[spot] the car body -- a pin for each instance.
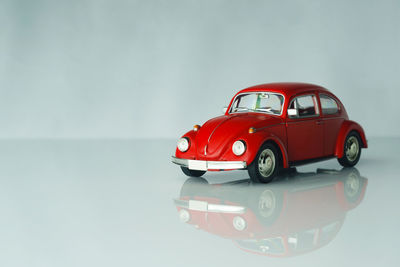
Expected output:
(276, 124)
(295, 215)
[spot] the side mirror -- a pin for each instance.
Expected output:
(292, 112)
(224, 109)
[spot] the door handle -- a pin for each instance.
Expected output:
(319, 122)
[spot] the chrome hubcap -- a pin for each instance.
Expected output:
(352, 185)
(266, 203)
(352, 148)
(266, 162)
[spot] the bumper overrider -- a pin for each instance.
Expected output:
(204, 165)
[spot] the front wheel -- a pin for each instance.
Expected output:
(266, 164)
(351, 150)
(192, 173)
(266, 202)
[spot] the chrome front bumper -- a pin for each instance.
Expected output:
(209, 207)
(203, 165)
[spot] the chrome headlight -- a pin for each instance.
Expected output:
(238, 148)
(183, 144)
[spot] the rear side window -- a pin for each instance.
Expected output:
(328, 105)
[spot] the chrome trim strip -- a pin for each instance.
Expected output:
(226, 209)
(181, 203)
(182, 162)
(212, 165)
(332, 118)
(314, 119)
(269, 126)
(226, 165)
(209, 207)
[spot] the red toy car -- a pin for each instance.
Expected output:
(269, 127)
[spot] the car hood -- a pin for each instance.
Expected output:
(222, 131)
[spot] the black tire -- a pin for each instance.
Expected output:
(265, 173)
(192, 173)
(194, 187)
(351, 155)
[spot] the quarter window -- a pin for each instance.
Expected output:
(306, 106)
(328, 105)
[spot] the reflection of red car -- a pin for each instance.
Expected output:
(288, 218)
(270, 126)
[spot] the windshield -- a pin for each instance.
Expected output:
(264, 102)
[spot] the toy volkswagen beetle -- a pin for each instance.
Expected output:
(269, 127)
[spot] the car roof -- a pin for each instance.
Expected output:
(288, 89)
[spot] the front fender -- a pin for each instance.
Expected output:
(191, 152)
(346, 128)
(256, 140)
(281, 146)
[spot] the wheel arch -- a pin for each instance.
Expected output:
(347, 127)
(274, 140)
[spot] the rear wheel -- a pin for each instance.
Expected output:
(192, 173)
(266, 164)
(353, 184)
(351, 150)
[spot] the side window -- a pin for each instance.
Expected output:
(328, 105)
(305, 105)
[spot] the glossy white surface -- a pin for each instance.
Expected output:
(110, 203)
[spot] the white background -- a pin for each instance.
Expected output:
(153, 69)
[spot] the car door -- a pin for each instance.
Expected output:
(332, 119)
(305, 130)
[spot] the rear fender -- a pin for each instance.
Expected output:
(346, 128)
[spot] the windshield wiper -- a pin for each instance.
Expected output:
(265, 109)
(240, 109)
